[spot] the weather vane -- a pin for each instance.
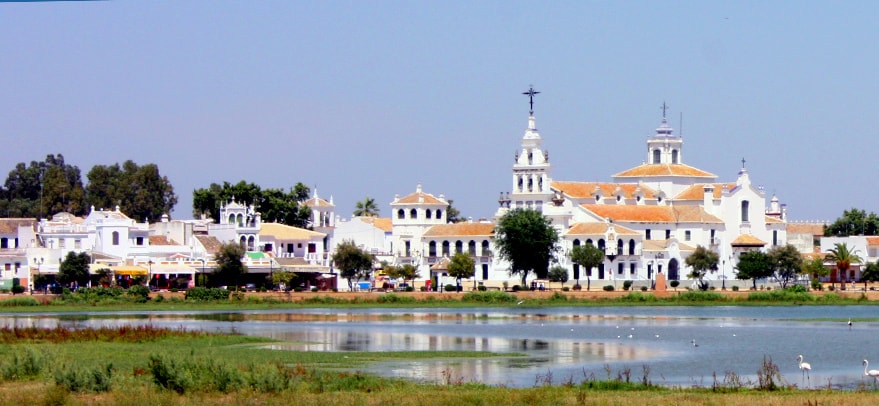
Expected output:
(530, 93)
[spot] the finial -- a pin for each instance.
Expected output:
(743, 163)
(530, 93)
(664, 108)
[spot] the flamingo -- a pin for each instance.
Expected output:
(804, 366)
(874, 373)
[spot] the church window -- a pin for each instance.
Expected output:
(601, 244)
(589, 241)
(459, 247)
(674, 156)
(521, 184)
(745, 205)
(656, 153)
(620, 247)
(427, 213)
(530, 185)
(471, 248)
(445, 248)
(413, 214)
(401, 214)
(540, 184)
(577, 242)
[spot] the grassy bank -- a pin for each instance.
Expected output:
(151, 366)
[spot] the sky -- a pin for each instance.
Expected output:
(371, 98)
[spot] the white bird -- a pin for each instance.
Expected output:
(805, 367)
(520, 302)
(693, 341)
(874, 373)
(849, 323)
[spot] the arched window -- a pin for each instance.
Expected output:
(459, 247)
(115, 238)
(589, 241)
(240, 220)
(486, 248)
(631, 247)
(250, 242)
(576, 242)
(431, 249)
(601, 244)
(413, 214)
(471, 248)
(427, 213)
(439, 214)
(656, 156)
(401, 214)
(745, 205)
(674, 156)
(620, 246)
(231, 219)
(445, 248)
(521, 183)
(243, 241)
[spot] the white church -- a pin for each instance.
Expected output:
(647, 220)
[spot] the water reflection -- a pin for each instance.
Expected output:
(565, 343)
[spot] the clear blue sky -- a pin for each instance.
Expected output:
(369, 98)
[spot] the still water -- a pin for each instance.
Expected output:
(678, 346)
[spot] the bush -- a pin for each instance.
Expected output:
(516, 288)
(674, 284)
(816, 284)
(577, 287)
(19, 301)
(83, 379)
(450, 288)
(22, 365)
(643, 288)
(735, 288)
(638, 297)
(481, 288)
(565, 289)
(701, 296)
(394, 298)
(202, 294)
(608, 288)
(17, 289)
(139, 293)
(627, 285)
(488, 297)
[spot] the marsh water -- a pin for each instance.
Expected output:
(675, 346)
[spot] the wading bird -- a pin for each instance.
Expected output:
(874, 373)
(804, 366)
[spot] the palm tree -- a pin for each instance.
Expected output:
(366, 208)
(844, 257)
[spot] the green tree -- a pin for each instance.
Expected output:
(786, 263)
(230, 266)
(366, 208)
(527, 240)
(461, 267)
(844, 257)
(558, 274)
(701, 262)
(288, 278)
(452, 213)
(74, 268)
(814, 267)
(853, 222)
(406, 272)
(870, 273)
(754, 265)
(274, 205)
(42, 189)
(141, 192)
(352, 262)
(587, 256)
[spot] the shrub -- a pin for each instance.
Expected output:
(643, 288)
(314, 289)
(488, 297)
(627, 285)
(638, 297)
(393, 298)
(565, 289)
(17, 289)
(516, 288)
(450, 288)
(139, 293)
(816, 284)
(160, 298)
(577, 287)
(174, 290)
(19, 301)
(674, 284)
(608, 288)
(700, 296)
(84, 380)
(26, 364)
(202, 294)
(481, 288)
(735, 288)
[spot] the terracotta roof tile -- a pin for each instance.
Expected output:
(872, 241)
(211, 244)
(583, 190)
(419, 197)
(747, 240)
(161, 240)
(382, 223)
(586, 229)
(806, 228)
(697, 191)
(652, 214)
(318, 202)
(774, 220)
(9, 226)
(285, 232)
(659, 170)
(461, 229)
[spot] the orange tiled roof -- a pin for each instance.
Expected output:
(381, 223)
(662, 245)
(419, 198)
(318, 202)
(211, 244)
(806, 228)
(652, 214)
(774, 220)
(10, 226)
(872, 241)
(285, 232)
(461, 229)
(597, 229)
(697, 191)
(651, 170)
(582, 190)
(161, 240)
(747, 240)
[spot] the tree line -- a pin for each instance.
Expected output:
(43, 188)
(274, 205)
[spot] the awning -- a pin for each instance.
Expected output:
(173, 269)
(128, 270)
